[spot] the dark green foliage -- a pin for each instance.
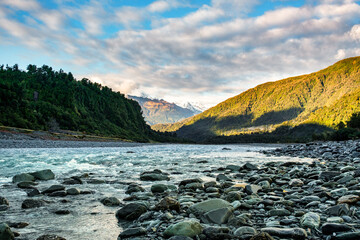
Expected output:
(44, 99)
(354, 121)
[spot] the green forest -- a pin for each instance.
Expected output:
(43, 99)
(280, 110)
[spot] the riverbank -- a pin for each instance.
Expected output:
(265, 197)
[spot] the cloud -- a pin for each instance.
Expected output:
(214, 51)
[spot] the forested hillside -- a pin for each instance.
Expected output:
(323, 98)
(43, 99)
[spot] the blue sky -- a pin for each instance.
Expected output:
(180, 50)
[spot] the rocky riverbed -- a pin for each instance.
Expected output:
(266, 200)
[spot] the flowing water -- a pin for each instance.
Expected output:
(88, 218)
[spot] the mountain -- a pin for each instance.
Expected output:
(324, 98)
(160, 111)
(43, 99)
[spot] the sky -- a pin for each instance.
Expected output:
(182, 51)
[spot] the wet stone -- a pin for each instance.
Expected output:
(32, 203)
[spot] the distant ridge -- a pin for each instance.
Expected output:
(157, 111)
(326, 98)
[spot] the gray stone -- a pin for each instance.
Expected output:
(310, 220)
(4, 208)
(180, 238)
(296, 183)
(351, 199)
(295, 233)
(168, 203)
(32, 203)
(23, 177)
(5, 232)
(26, 184)
(347, 236)
(330, 228)
(245, 232)
(187, 228)
(57, 194)
(131, 211)
(54, 188)
(222, 177)
(219, 216)
(73, 191)
(339, 192)
(110, 201)
(252, 188)
(50, 237)
(338, 210)
(250, 166)
(208, 205)
(234, 168)
(134, 188)
(4, 201)
(155, 175)
(279, 212)
(33, 192)
(46, 174)
(132, 232)
(328, 175)
(158, 188)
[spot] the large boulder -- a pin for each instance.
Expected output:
(23, 177)
(46, 174)
(131, 211)
(132, 232)
(5, 232)
(187, 228)
(54, 188)
(218, 216)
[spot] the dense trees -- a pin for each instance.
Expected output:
(41, 98)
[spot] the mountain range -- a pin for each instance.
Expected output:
(156, 111)
(324, 98)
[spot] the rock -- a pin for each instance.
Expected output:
(328, 175)
(351, 199)
(219, 216)
(32, 203)
(50, 237)
(194, 186)
(334, 220)
(158, 188)
(330, 228)
(233, 196)
(132, 232)
(72, 181)
(54, 188)
(73, 191)
(262, 236)
(5, 232)
(57, 194)
(4, 201)
(62, 212)
(215, 232)
(338, 210)
(95, 181)
(339, 192)
(46, 174)
(310, 220)
(222, 177)
(168, 203)
(250, 166)
(18, 224)
(131, 211)
(294, 233)
(245, 232)
(187, 228)
(33, 192)
(26, 184)
(192, 180)
(296, 183)
(4, 208)
(155, 175)
(279, 212)
(134, 188)
(252, 189)
(347, 236)
(180, 238)
(234, 168)
(208, 205)
(110, 201)
(23, 177)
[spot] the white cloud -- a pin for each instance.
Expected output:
(212, 53)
